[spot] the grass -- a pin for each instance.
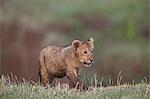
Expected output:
(25, 90)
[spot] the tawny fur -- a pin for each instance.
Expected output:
(65, 61)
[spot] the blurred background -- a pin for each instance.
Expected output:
(120, 28)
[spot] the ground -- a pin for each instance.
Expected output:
(28, 91)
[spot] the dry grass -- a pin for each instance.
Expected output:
(25, 90)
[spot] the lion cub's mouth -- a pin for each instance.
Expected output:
(87, 64)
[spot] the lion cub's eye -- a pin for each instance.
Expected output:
(85, 52)
(92, 52)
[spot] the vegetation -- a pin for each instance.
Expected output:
(9, 90)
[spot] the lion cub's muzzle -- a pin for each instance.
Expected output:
(86, 64)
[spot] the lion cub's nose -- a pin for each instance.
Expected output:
(91, 60)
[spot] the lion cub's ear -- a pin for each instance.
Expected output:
(76, 43)
(91, 42)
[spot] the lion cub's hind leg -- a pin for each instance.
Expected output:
(44, 76)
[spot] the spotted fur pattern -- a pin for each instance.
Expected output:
(58, 62)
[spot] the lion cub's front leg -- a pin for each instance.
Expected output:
(72, 74)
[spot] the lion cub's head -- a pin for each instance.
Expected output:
(84, 51)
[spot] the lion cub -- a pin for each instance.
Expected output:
(65, 61)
